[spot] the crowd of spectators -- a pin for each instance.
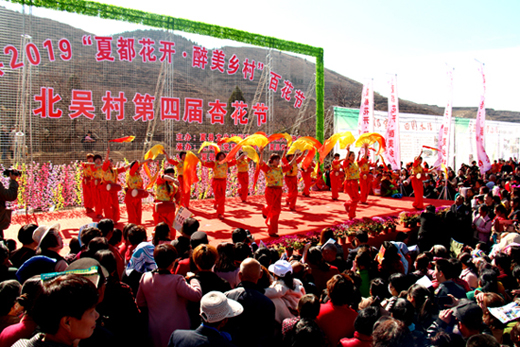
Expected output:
(121, 288)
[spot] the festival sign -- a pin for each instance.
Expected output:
(59, 82)
(366, 109)
(393, 152)
(482, 158)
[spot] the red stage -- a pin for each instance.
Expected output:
(312, 214)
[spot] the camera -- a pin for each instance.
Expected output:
(7, 173)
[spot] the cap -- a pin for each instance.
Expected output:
(36, 265)
(198, 238)
(281, 268)
(88, 263)
(42, 231)
(215, 307)
(468, 313)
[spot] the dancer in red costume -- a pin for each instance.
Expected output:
(219, 182)
(351, 184)
(291, 178)
(365, 176)
(88, 184)
(167, 194)
(243, 175)
(418, 176)
(273, 190)
(179, 167)
(97, 185)
(307, 179)
(336, 176)
(135, 192)
(110, 200)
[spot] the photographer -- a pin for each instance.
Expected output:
(9, 194)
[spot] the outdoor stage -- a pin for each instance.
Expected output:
(312, 214)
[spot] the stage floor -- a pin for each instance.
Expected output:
(312, 214)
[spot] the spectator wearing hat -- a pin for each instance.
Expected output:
(285, 291)
(164, 295)
(259, 310)
(215, 311)
(65, 312)
(467, 315)
(28, 249)
(50, 243)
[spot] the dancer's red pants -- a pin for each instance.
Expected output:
(134, 208)
(185, 198)
(364, 185)
(97, 194)
(243, 180)
(219, 190)
(418, 191)
(164, 215)
(273, 199)
(352, 188)
(335, 184)
(110, 203)
(292, 187)
(88, 194)
(307, 182)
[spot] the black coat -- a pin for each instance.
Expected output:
(201, 337)
(9, 194)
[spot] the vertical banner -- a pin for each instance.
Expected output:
(366, 109)
(392, 153)
(445, 130)
(483, 161)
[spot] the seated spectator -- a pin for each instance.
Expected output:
(26, 327)
(259, 310)
(303, 330)
(321, 271)
(182, 243)
(142, 259)
(106, 226)
(164, 295)
(364, 326)
(336, 318)
(469, 271)
(225, 266)
(204, 258)
(50, 243)
(28, 249)
(65, 312)
(187, 265)
(444, 275)
(285, 291)
(161, 234)
(9, 308)
(215, 311)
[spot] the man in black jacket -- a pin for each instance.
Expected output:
(9, 194)
(255, 326)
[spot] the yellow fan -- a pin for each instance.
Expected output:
(368, 139)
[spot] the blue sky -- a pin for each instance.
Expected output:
(370, 39)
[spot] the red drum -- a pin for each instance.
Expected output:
(164, 207)
(113, 187)
(139, 193)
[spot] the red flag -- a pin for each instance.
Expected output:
(123, 139)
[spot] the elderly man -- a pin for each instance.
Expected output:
(255, 326)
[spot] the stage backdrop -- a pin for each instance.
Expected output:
(502, 138)
(70, 82)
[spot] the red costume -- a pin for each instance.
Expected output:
(365, 179)
(273, 195)
(219, 182)
(134, 205)
(352, 188)
(97, 189)
(291, 181)
(88, 187)
(166, 195)
(243, 177)
(418, 176)
(179, 167)
(307, 180)
(336, 177)
(110, 200)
